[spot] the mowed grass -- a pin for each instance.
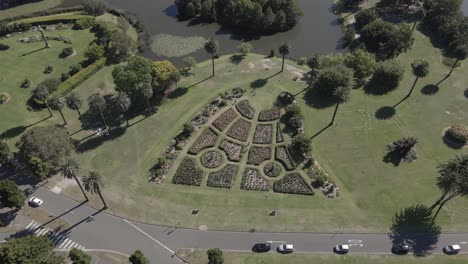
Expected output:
(200, 257)
(29, 8)
(28, 60)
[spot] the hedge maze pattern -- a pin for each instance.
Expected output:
(240, 130)
(233, 150)
(263, 134)
(253, 181)
(206, 140)
(293, 183)
(188, 173)
(223, 121)
(245, 109)
(224, 178)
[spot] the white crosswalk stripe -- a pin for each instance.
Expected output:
(70, 246)
(59, 240)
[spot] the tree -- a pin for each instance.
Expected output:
(123, 103)
(74, 102)
(4, 153)
(79, 257)
(244, 48)
(11, 195)
(93, 184)
(147, 92)
(97, 103)
(215, 256)
(138, 258)
(341, 94)
(387, 75)
(94, 52)
(461, 53)
(41, 93)
(420, 70)
(69, 167)
(189, 62)
(26, 250)
(127, 78)
(301, 147)
(212, 47)
(94, 7)
(365, 17)
(332, 78)
(49, 143)
(362, 62)
(39, 168)
(165, 73)
(57, 103)
(122, 46)
(55, 259)
(284, 50)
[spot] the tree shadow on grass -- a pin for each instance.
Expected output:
(414, 226)
(7, 217)
(236, 58)
(465, 93)
(315, 100)
(259, 83)
(393, 157)
(430, 89)
(13, 132)
(375, 88)
(178, 93)
(96, 141)
(385, 112)
(451, 142)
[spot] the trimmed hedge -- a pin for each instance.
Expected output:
(53, 19)
(77, 79)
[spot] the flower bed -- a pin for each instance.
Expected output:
(207, 139)
(253, 181)
(188, 173)
(294, 184)
(245, 109)
(263, 134)
(240, 130)
(269, 115)
(282, 155)
(224, 178)
(259, 154)
(212, 159)
(233, 150)
(279, 133)
(272, 169)
(223, 121)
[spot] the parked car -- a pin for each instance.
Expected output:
(341, 249)
(262, 247)
(400, 249)
(286, 248)
(451, 249)
(35, 202)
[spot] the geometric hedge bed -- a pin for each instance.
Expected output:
(240, 135)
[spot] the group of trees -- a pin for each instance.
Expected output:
(257, 16)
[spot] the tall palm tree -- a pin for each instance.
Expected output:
(97, 103)
(461, 53)
(147, 91)
(284, 50)
(341, 95)
(41, 93)
(212, 47)
(420, 70)
(74, 102)
(93, 184)
(57, 103)
(123, 103)
(69, 168)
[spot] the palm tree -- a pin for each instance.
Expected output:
(57, 103)
(212, 47)
(97, 103)
(420, 70)
(69, 168)
(341, 95)
(74, 102)
(284, 50)
(93, 184)
(123, 102)
(461, 53)
(147, 91)
(41, 93)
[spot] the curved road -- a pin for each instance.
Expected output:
(108, 232)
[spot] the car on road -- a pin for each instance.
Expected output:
(35, 202)
(286, 248)
(262, 247)
(401, 249)
(341, 249)
(451, 249)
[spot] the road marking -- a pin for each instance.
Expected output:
(354, 241)
(29, 225)
(71, 245)
(463, 242)
(150, 237)
(279, 242)
(63, 242)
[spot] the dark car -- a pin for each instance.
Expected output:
(261, 247)
(400, 249)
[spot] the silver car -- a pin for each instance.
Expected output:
(452, 249)
(36, 202)
(286, 248)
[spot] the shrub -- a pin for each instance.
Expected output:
(52, 84)
(215, 256)
(253, 181)
(279, 133)
(94, 7)
(333, 77)
(138, 258)
(77, 79)
(223, 121)
(11, 195)
(188, 173)
(4, 97)
(206, 140)
(4, 153)
(272, 169)
(269, 115)
(233, 150)
(48, 69)
(212, 159)
(240, 130)
(74, 69)
(244, 48)
(94, 52)
(66, 52)
(263, 134)
(294, 184)
(458, 132)
(4, 46)
(282, 155)
(187, 130)
(362, 62)
(64, 76)
(302, 61)
(224, 178)
(365, 17)
(245, 109)
(301, 147)
(386, 77)
(320, 179)
(26, 83)
(78, 256)
(259, 154)
(285, 98)
(85, 23)
(349, 36)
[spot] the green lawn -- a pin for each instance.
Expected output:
(29, 8)
(199, 257)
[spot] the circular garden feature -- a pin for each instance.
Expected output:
(272, 169)
(212, 159)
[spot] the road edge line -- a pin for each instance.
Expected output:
(150, 237)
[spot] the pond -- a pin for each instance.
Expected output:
(318, 31)
(465, 7)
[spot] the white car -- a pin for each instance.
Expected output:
(451, 249)
(286, 248)
(34, 201)
(342, 249)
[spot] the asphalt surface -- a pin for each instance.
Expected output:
(108, 232)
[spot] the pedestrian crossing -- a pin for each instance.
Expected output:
(59, 240)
